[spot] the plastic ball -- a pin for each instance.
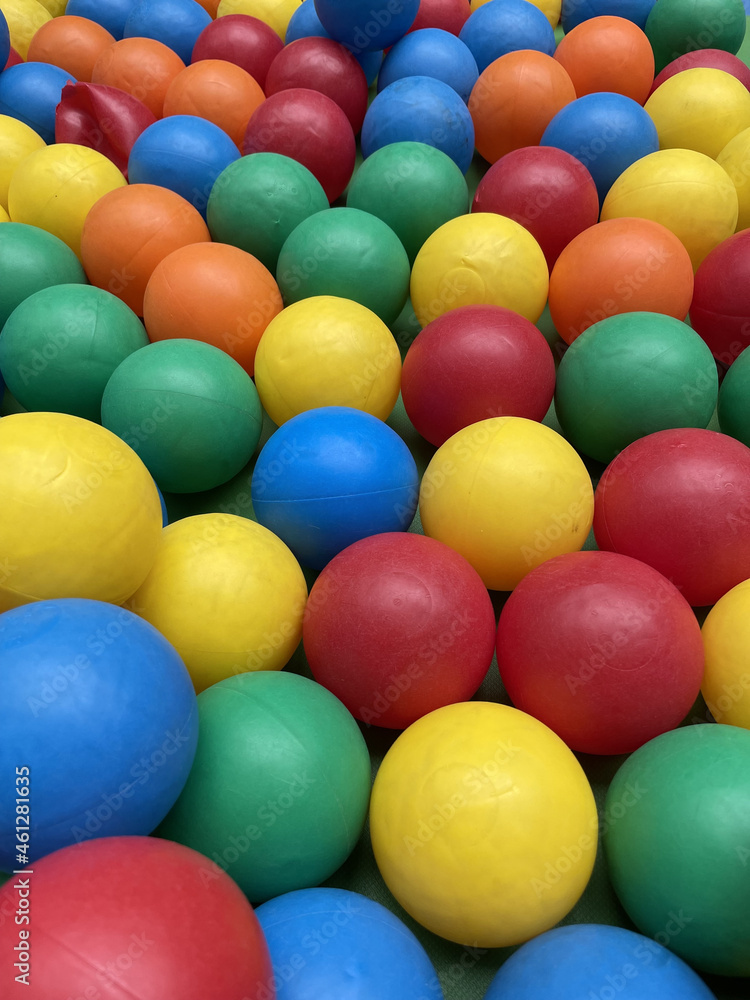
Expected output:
(186, 927)
(449, 15)
(23, 19)
(129, 231)
(31, 259)
(720, 310)
(17, 141)
(218, 91)
(574, 12)
(735, 159)
(685, 191)
(582, 959)
(708, 59)
(305, 23)
(494, 30)
(353, 947)
(142, 67)
(733, 410)
(367, 25)
(434, 53)
(339, 469)
(472, 363)
(72, 43)
(175, 23)
(674, 27)
(275, 750)
(308, 127)
(479, 259)
(545, 190)
(609, 54)
(4, 40)
(514, 101)
(528, 494)
(275, 13)
(677, 846)
(56, 187)
(326, 66)
(472, 796)
(420, 109)
(245, 41)
(326, 351)
(349, 254)
(726, 638)
(60, 346)
(81, 513)
(30, 92)
(189, 410)
(398, 625)
(228, 595)
(677, 500)
(110, 14)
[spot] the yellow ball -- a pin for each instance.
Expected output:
(735, 159)
(479, 259)
(550, 8)
(508, 494)
(17, 141)
(275, 13)
(483, 824)
(55, 188)
(685, 191)
(81, 515)
(326, 351)
(4, 217)
(726, 638)
(25, 18)
(55, 7)
(227, 593)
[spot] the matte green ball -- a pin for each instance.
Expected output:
(188, 409)
(413, 188)
(676, 837)
(349, 254)
(675, 27)
(32, 259)
(734, 400)
(631, 375)
(258, 200)
(60, 346)
(279, 789)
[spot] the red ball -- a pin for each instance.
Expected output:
(679, 500)
(398, 625)
(307, 127)
(238, 38)
(135, 917)
(472, 363)
(602, 649)
(545, 190)
(705, 59)
(720, 310)
(323, 65)
(450, 15)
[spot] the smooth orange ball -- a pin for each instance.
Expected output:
(608, 54)
(129, 231)
(219, 91)
(72, 43)
(215, 293)
(142, 67)
(623, 265)
(514, 100)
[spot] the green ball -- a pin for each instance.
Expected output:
(734, 400)
(279, 789)
(675, 27)
(60, 345)
(631, 375)
(258, 200)
(413, 188)
(677, 842)
(188, 409)
(348, 254)
(32, 259)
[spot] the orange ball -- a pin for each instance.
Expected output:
(220, 91)
(618, 266)
(72, 43)
(608, 54)
(210, 6)
(129, 231)
(514, 100)
(215, 293)
(141, 67)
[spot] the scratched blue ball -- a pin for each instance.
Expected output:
(101, 710)
(30, 92)
(174, 23)
(504, 26)
(305, 23)
(434, 53)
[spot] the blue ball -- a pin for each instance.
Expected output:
(305, 23)
(434, 53)
(606, 132)
(330, 476)
(595, 960)
(183, 153)
(174, 23)
(30, 92)
(336, 943)
(503, 26)
(419, 109)
(164, 511)
(4, 41)
(575, 11)
(101, 710)
(367, 25)
(110, 14)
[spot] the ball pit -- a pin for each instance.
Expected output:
(275, 13)
(23, 19)
(245, 41)
(175, 23)
(495, 30)
(305, 23)
(434, 53)
(720, 309)
(609, 54)
(72, 43)
(31, 259)
(30, 92)
(142, 67)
